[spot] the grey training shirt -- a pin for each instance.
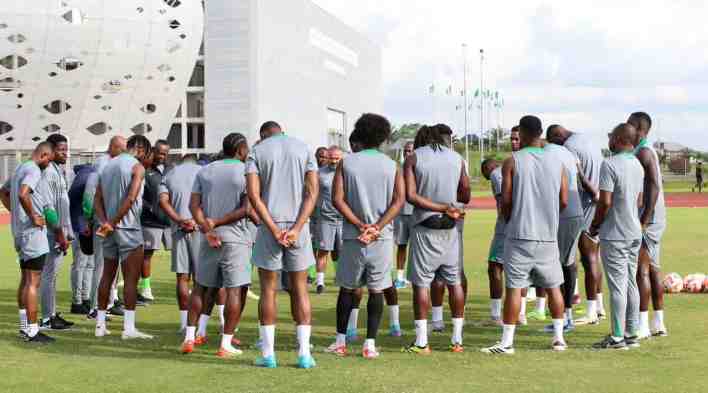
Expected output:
(58, 198)
(623, 176)
(178, 184)
(437, 175)
(590, 158)
(325, 207)
(535, 201)
(369, 181)
(659, 216)
(495, 179)
(115, 182)
(281, 163)
(23, 229)
(570, 163)
(222, 186)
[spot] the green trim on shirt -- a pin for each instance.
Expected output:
(51, 216)
(533, 149)
(644, 142)
(371, 151)
(625, 154)
(232, 161)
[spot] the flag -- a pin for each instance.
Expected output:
(449, 90)
(431, 90)
(476, 93)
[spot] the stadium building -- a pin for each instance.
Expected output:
(93, 69)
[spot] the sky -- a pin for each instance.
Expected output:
(586, 65)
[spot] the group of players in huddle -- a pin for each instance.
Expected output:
(273, 204)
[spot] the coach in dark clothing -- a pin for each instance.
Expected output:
(82, 265)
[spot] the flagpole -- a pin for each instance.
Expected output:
(464, 93)
(481, 112)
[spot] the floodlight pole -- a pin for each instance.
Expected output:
(481, 98)
(466, 109)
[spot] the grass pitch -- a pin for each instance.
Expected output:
(78, 362)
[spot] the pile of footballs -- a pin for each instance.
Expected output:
(693, 283)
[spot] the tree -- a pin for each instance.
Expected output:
(405, 131)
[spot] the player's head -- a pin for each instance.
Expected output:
(160, 152)
(515, 139)
(60, 146)
(354, 142)
(641, 121)
(269, 129)
(43, 154)
(530, 130)
(321, 156)
(446, 134)
(235, 145)
(557, 134)
(373, 130)
(117, 146)
(334, 155)
(428, 136)
(488, 166)
(622, 138)
(141, 148)
(191, 157)
(408, 149)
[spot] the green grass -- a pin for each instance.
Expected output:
(80, 362)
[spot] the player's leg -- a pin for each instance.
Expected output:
(21, 303)
(374, 312)
(196, 300)
(345, 302)
(77, 279)
(145, 274)
(267, 315)
(615, 263)
(457, 309)
(132, 268)
(591, 265)
(437, 298)
(32, 277)
(401, 229)
(556, 305)
(394, 324)
(48, 291)
(181, 257)
(657, 298)
(110, 267)
(321, 269)
(401, 254)
(496, 291)
(632, 317)
(302, 315)
(421, 308)
(644, 286)
(182, 293)
(512, 304)
(232, 315)
(539, 312)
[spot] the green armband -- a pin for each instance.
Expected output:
(87, 207)
(51, 216)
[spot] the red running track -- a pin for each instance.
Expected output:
(487, 203)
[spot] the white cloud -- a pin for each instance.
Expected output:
(585, 64)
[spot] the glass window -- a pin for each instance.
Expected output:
(336, 128)
(195, 105)
(174, 138)
(197, 79)
(195, 135)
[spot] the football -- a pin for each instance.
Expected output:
(693, 283)
(673, 283)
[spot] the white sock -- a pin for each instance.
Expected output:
(183, 314)
(421, 333)
(129, 321)
(320, 278)
(113, 298)
(531, 293)
(568, 314)
(101, 318)
(220, 313)
(508, 335)
(393, 312)
(303, 338)
(32, 329)
(644, 322)
(370, 343)
(659, 319)
(268, 337)
(457, 324)
(341, 340)
(541, 305)
(401, 275)
(23, 320)
(226, 340)
(437, 314)
(522, 310)
(202, 328)
(558, 329)
(592, 309)
(353, 319)
(577, 287)
(495, 308)
(600, 304)
(190, 333)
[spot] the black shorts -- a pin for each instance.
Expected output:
(34, 264)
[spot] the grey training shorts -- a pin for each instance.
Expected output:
(119, 244)
(402, 229)
(361, 265)
(569, 230)
(434, 255)
(185, 251)
(268, 254)
(329, 235)
(532, 263)
(224, 267)
(155, 237)
(651, 241)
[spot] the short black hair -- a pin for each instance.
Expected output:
(269, 125)
(515, 129)
(161, 142)
(373, 130)
(319, 149)
(644, 119)
(139, 141)
(44, 146)
(552, 128)
(625, 133)
(428, 136)
(531, 125)
(444, 129)
(488, 161)
(55, 139)
(231, 143)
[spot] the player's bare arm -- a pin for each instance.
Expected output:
(604, 204)
(399, 195)
(309, 200)
(651, 184)
(25, 197)
(563, 202)
(232, 216)
(340, 203)
(253, 185)
(5, 198)
(586, 185)
(507, 196)
(195, 207)
(464, 190)
(166, 206)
